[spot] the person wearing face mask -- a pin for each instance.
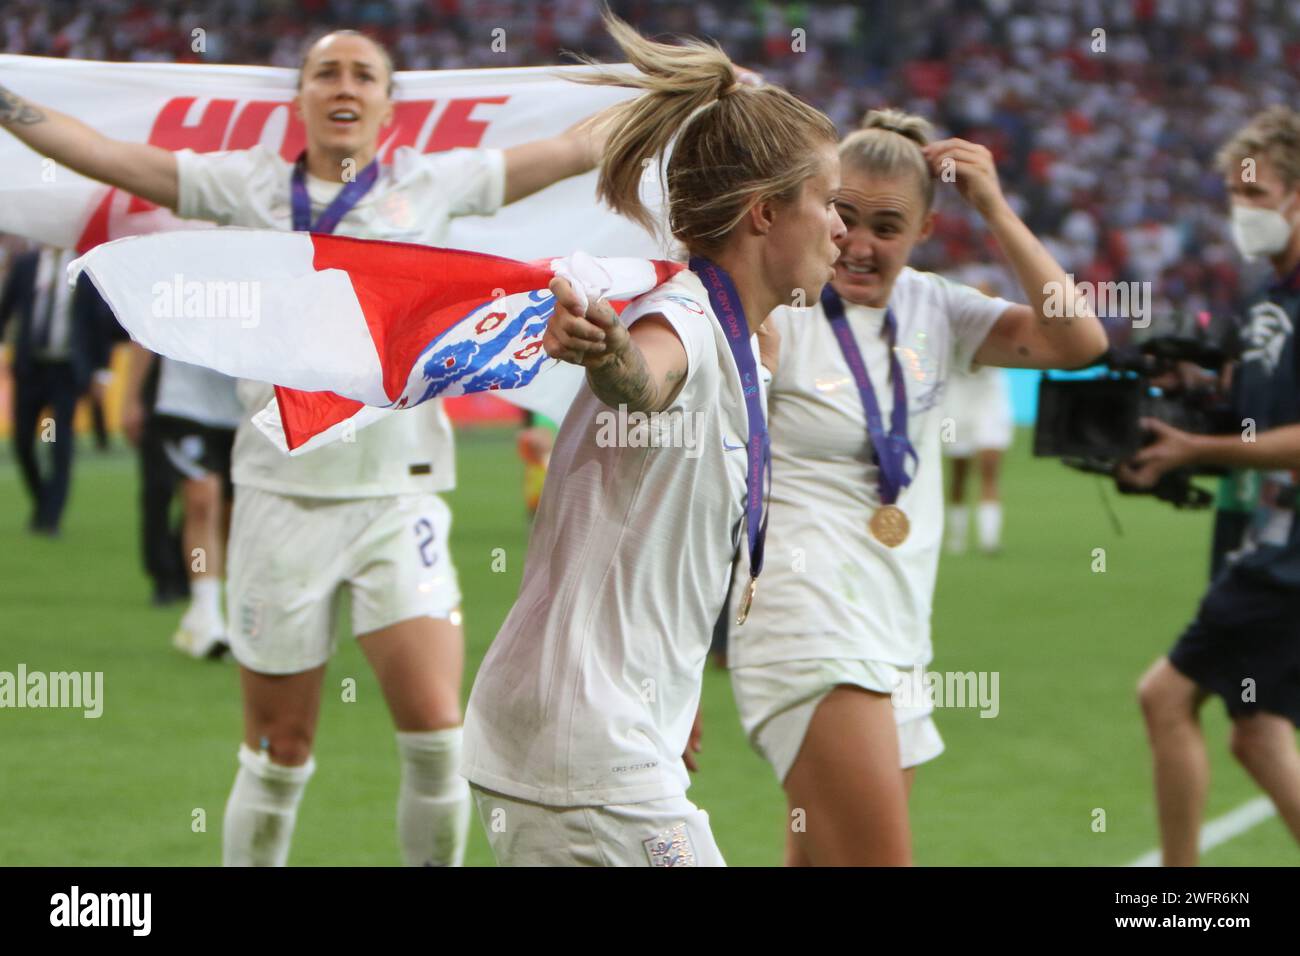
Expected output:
(842, 617)
(1244, 643)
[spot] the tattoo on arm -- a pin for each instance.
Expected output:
(672, 382)
(625, 381)
(15, 111)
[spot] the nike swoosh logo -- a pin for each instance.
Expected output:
(726, 447)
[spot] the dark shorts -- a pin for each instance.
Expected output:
(194, 450)
(1244, 646)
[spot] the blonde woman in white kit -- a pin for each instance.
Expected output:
(842, 618)
(583, 708)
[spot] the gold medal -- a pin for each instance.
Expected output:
(889, 525)
(746, 601)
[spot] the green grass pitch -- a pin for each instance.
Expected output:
(1022, 788)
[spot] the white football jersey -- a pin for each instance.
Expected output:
(413, 200)
(588, 693)
(829, 589)
(197, 394)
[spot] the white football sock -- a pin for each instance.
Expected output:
(988, 519)
(433, 803)
(204, 611)
(262, 810)
(958, 520)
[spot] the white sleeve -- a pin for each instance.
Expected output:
(472, 182)
(971, 315)
(694, 330)
(217, 186)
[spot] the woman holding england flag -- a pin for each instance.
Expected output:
(843, 618)
(363, 515)
(583, 708)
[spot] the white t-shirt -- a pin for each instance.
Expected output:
(588, 693)
(51, 267)
(829, 589)
(413, 200)
(197, 394)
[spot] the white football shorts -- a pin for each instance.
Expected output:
(776, 704)
(669, 832)
(291, 557)
(981, 413)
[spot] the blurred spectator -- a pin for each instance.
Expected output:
(61, 342)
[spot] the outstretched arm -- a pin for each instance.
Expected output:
(139, 168)
(533, 166)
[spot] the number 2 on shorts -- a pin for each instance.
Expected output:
(424, 534)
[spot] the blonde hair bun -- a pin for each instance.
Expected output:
(888, 144)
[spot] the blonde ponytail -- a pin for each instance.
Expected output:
(736, 144)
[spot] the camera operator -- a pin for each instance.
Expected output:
(1238, 492)
(1244, 644)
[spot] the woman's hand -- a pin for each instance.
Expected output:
(591, 338)
(970, 167)
(641, 369)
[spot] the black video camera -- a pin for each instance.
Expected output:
(1092, 423)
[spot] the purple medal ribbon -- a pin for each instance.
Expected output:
(890, 451)
(731, 316)
(342, 204)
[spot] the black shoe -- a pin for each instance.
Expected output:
(165, 595)
(44, 529)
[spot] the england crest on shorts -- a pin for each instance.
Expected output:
(672, 847)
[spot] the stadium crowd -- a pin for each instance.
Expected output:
(1102, 117)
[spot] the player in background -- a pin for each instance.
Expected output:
(979, 406)
(585, 705)
(1244, 643)
(827, 671)
(367, 515)
(190, 413)
(534, 445)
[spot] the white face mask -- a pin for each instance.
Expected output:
(1260, 232)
